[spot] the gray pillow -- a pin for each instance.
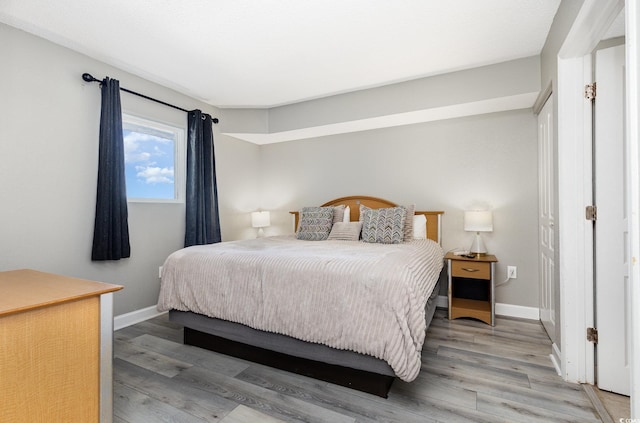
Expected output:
(338, 213)
(315, 223)
(408, 222)
(346, 231)
(384, 226)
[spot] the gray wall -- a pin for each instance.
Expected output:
(447, 165)
(49, 122)
(562, 22)
(451, 165)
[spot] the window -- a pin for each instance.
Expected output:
(153, 160)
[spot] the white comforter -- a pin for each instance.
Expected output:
(368, 298)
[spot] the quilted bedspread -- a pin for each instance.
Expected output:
(357, 296)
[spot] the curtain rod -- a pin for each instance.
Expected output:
(89, 78)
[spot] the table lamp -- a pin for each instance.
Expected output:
(478, 221)
(260, 219)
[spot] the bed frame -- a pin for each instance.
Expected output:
(358, 371)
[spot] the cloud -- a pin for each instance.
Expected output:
(135, 150)
(155, 175)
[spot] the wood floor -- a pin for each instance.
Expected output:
(471, 372)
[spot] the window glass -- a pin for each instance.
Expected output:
(153, 159)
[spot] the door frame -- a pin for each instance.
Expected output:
(632, 32)
(575, 233)
(612, 256)
(574, 186)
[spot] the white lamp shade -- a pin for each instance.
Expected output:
(260, 219)
(478, 221)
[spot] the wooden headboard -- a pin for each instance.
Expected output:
(434, 230)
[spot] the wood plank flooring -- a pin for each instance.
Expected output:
(471, 372)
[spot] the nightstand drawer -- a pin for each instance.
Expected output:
(471, 269)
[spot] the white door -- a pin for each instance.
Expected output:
(546, 219)
(612, 225)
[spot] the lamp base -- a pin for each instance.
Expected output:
(477, 247)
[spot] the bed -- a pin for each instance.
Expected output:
(350, 313)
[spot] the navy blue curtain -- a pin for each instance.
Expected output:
(111, 229)
(202, 220)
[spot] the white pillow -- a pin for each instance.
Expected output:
(419, 226)
(347, 215)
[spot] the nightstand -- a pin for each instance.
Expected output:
(471, 287)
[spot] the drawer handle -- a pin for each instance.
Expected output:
(469, 269)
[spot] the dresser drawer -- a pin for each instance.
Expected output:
(471, 269)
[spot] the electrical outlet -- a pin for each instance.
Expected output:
(160, 272)
(512, 272)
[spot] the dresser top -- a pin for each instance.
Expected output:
(26, 289)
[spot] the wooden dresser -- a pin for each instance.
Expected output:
(56, 348)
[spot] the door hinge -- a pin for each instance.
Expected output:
(592, 335)
(591, 213)
(590, 91)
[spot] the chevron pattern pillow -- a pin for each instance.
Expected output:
(315, 223)
(384, 226)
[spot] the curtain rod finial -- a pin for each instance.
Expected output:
(89, 78)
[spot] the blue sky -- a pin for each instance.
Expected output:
(149, 165)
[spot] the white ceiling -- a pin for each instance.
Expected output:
(265, 53)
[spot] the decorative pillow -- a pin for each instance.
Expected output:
(408, 222)
(315, 223)
(385, 226)
(346, 231)
(347, 214)
(338, 213)
(419, 226)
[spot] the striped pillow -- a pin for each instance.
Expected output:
(338, 213)
(408, 222)
(346, 231)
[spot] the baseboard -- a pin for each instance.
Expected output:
(555, 358)
(136, 316)
(508, 310)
